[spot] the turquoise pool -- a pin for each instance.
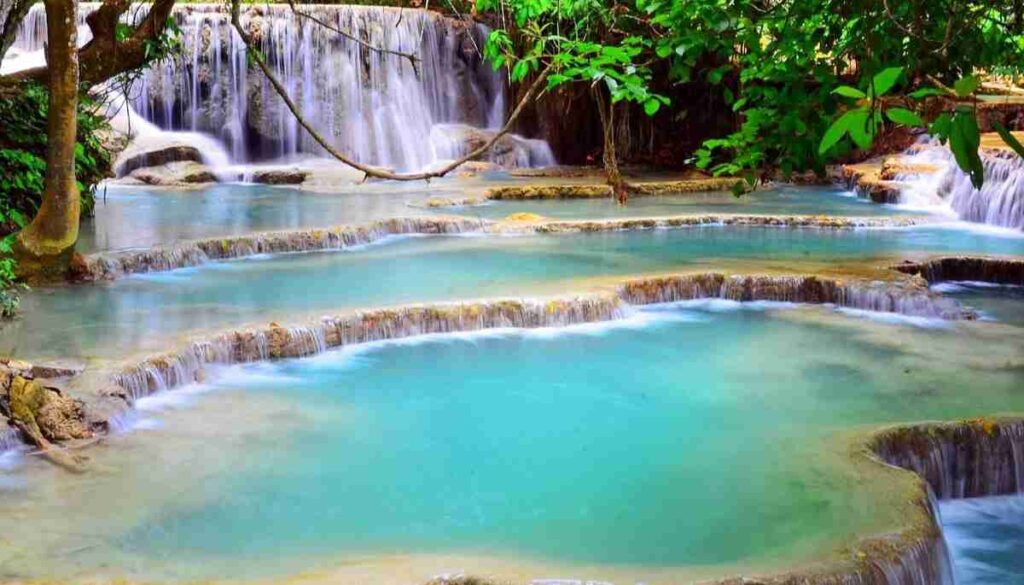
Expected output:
(688, 440)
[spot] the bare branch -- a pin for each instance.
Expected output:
(412, 58)
(12, 19)
(105, 57)
(367, 170)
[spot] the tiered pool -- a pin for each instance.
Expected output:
(686, 441)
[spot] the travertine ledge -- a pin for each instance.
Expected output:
(111, 265)
(968, 268)
(964, 459)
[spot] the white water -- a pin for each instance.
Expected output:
(375, 107)
(1000, 201)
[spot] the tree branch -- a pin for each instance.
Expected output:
(367, 170)
(18, 10)
(104, 57)
(412, 58)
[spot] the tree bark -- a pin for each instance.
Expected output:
(44, 248)
(105, 57)
(606, 111)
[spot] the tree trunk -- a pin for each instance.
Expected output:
(606, 111)
(44, 248)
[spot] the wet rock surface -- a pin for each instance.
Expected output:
(182, 173)
(280, 176)
(967, 268)
(979, 457)
(132, 160)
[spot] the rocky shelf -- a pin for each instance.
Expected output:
(110, 265)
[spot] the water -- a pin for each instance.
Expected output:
(686, 440)
(373, 106)
(780, 200)
(1000, 303)
(1000, 201)
(144, 312)
(130, 216)
(985, 537)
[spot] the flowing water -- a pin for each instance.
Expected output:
(143, 312)
(377, 107)
(985, 538)
(131, 216)
(685, 440)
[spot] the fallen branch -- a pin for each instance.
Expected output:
(367, 170)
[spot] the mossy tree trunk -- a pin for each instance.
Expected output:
(44, 248)
(606, 111)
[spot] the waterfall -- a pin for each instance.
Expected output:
(376, 107)
(999, 202)
(960, 460)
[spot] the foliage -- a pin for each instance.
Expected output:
(780, 65)
(588, 41)
(23, 166)
(784, 67)
(956, 124)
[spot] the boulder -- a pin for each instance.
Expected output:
(280, 176)
(46, 411)
(137, 158)
(509, 152)
(175, 174)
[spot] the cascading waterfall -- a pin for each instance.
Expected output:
(168, 371)
(376, 107)
(960, 460)
(1000, 201)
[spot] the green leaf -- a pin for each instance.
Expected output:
(963, 141)
(884, 81)
(1009, 139)
(904, 117)
(651, 107)
(966, 86)
(940, 128)
(835, 133)
(925, 92)
(850, 92)
(862, 129)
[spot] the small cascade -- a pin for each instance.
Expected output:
(886, 297)
(926, 562)
(376, 107)
(108, 266)
(10, 438)
(966, 268)
(1000, 201)
(275, 342)
(960, 460)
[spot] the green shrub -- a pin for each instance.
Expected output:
(23, 164)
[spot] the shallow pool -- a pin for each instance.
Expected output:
(693, 439)
(141, 313)
(140, 216)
